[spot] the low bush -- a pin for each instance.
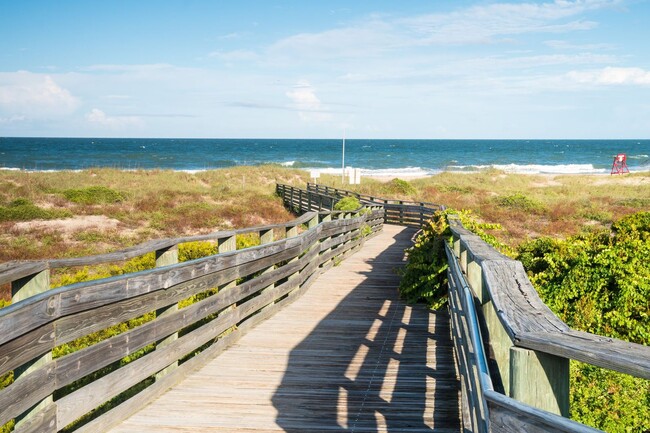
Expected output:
(599, 282)
(519, 202)
(24, 210)
(93, 195)
(347, 204)
(399, 187)
(424, 278)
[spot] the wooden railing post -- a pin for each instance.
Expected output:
(326, 218)
(22, 289)
(266, 237)
(166, 257)
(540, 380)
(223, 246)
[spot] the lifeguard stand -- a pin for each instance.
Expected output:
(620, 166)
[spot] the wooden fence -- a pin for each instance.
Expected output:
(506, 338)
(140, 333)
(400, 212)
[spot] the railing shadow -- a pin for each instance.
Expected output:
(370, 363)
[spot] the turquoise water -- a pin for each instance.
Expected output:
(378, 157)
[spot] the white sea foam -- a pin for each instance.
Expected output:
(288, 163)
(383, 172)
(534, 168)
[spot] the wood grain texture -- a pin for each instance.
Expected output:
(345, 356)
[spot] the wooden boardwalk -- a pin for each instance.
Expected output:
(347, 356)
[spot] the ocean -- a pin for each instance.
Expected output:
(374, 157)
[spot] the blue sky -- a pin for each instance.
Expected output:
(374, 69)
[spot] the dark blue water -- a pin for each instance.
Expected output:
(387, 157)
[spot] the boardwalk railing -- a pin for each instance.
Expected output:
(138, 334)
(493, 304)
(400, 212)
(513, 353)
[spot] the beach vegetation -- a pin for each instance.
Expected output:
(399, 187)
(347, 204)
(93, 195)
(599, 282)
(519, 202)
(22, 209)
(424, 278)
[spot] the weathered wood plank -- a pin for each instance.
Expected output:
(43, 421)
(26, 347)
(75, 366)
(26, 392)
(521, 309)
(510, 416)
(609, 353)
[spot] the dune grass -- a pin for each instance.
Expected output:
(527, 206)
(141, 205)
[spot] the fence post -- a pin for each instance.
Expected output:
(24, 288)
(326, 218)
(223, 246)
(266, 237)
(540, 380)
(164, 257)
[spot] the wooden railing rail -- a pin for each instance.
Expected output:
(530, 347)
(69, 347)
(400, 212)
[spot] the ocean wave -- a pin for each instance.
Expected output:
(383, 172)
(642, 156)
(304, 164)
(533, 168)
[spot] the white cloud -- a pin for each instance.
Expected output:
(98, 117)
(485, 24)
(612, 76)
(12, 119)
(309, 106)
(564, 45)
(34, 95)
(235, 55)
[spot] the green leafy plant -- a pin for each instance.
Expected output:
(24, 210)
(399, 187)
(599, 282)
(519, 202)
(424, 278)
(347, 204)
(93, 195)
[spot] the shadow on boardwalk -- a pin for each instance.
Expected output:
(373, 364)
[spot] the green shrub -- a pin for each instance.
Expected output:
(247, 240)
(347, 204)
(400, 187)
(519, 202)
(196, 250)
(599, 282)
(23, 210)
(93, 195)
(424, 278)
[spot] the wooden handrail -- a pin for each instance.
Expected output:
(530, 345)
(188, 312)
(14, 270)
